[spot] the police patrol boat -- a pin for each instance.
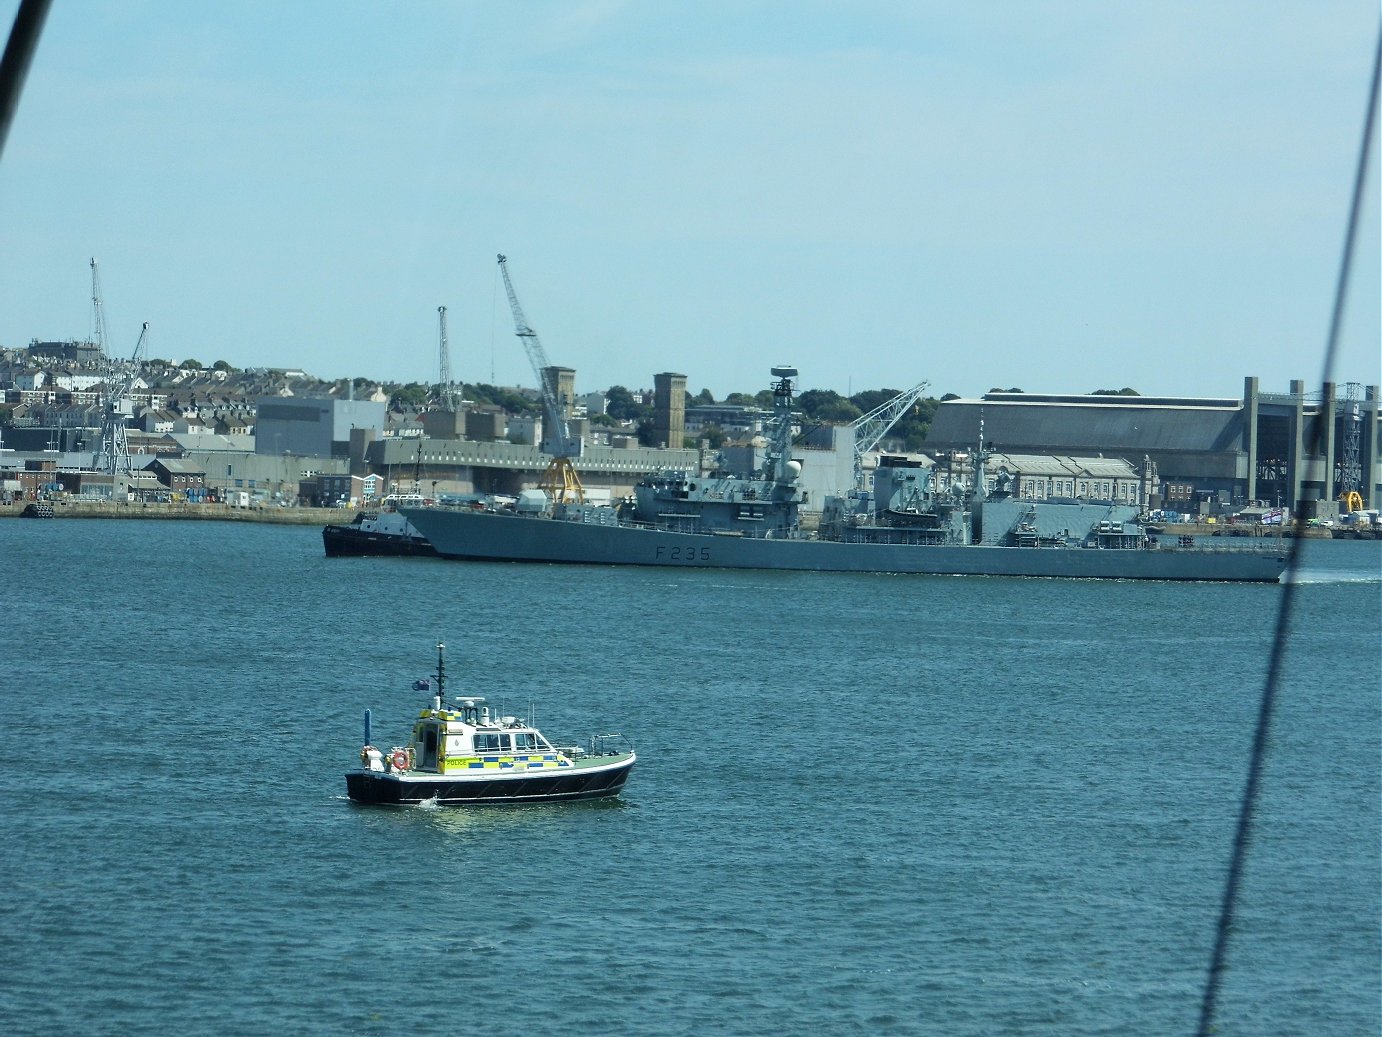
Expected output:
(461, 753)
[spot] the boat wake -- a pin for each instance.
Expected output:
(1322, 577)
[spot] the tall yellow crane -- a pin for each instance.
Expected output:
(559, 479)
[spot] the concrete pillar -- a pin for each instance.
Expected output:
(1328, 435)
(1368, 459)
(1250, 409)
(1295, 462)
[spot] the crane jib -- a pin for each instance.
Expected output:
(560, 479)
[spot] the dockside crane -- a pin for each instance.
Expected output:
(99, 334)
(870, 428)
(112, 455)
(559, 479)
(446, 392)
(1351, 467)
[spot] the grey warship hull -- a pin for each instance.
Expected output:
(907, 523)
(494, 536)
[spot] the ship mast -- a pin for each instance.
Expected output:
(977, 492)
(780, 446)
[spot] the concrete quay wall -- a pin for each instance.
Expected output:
(182, 510)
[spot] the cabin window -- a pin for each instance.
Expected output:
(524, 741)
(492, 743)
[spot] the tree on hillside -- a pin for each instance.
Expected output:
(1004, 390)
(221, 365)
(704, 398)
(404, 397)
(505, 399)
(1125, 391)
(871, 398)
(740, 399)
(827, 405)
(620, 403)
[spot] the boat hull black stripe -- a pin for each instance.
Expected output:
(377, 788)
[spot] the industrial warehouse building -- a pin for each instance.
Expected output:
(1206, 452)
(313, 427)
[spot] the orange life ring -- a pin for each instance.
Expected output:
(399, 759)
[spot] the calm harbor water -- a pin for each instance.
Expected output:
(864, 804)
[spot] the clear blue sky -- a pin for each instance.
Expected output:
(1057, 196)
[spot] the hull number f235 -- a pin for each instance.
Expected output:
(683, 554)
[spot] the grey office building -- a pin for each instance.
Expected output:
(312, 427)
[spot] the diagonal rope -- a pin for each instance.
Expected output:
(1243, 836)
(19, 51)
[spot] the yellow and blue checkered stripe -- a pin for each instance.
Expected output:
(535, 761)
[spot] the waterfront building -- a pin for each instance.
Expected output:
(327, 490)
(313, 427)
(1039, 477)
(1206, 451)
(178, 474)
(730, 418)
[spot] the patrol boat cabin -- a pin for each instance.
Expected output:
(463, 736)
(461, 753)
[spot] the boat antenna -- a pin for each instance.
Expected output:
(441, 672)
(1248, 805)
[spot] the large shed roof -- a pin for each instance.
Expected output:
(1063, 466)
(1079, 427)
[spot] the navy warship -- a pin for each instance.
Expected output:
(907, 524)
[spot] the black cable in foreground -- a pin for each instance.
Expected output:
(1243, 837)
(19, 51)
